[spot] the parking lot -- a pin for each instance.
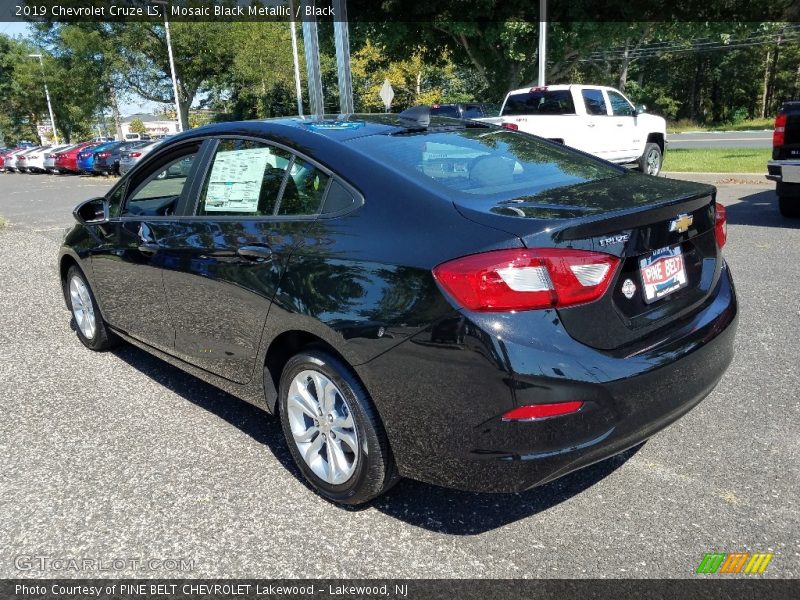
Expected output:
(120, 456)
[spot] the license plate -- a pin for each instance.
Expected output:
(663, 273)
(791, 173)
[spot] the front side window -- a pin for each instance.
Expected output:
(594, 102)
(619, 105)
(245, 178)
(157, 190)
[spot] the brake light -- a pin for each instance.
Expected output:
(526, 279)
(720, 224)
(532, 412)
(511, 126)
(533, 90)
(134, 154)
(103, 154)
(780, 131)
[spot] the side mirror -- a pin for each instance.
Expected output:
(640, 109)
(92, 212)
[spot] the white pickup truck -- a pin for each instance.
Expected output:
(596, 119)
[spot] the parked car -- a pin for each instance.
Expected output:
(313, 268)
(21, 159)
(784, 168)
(596, 119)
(50, 156)
(10, 158)
(128, 158)
(106, 159)
(85, 159)
(468, 110)
(136, 137)
(34, 160)
(67, 160)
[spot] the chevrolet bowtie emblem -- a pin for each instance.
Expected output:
(681, 223)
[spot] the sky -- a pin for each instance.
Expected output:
(131, 106)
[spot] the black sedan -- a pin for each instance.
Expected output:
(413, 296)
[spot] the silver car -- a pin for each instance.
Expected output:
(128, 158)
(50, 156)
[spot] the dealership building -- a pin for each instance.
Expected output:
(155, 127)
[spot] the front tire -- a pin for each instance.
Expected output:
(651, 159)
(89, 324)
(333, 430)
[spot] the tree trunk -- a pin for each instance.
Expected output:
(772, 71)
(623, 76)
(115, 111)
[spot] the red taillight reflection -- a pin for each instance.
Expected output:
(780, 130)
(532, 412)
(134, 154)
(511, 126)
(526, 279)
(720, 224)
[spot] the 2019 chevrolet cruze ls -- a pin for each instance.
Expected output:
(413, 296)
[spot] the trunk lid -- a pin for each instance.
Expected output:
(631, 216)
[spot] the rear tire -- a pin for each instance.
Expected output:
(338, 441)
(651, 159)
(90, 327)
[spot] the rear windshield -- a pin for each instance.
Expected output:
(446, 111)
(482, 162)
(542, 102)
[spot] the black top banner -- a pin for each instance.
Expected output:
(400, 10)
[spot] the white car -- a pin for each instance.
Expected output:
(596, 119)
(35, 160)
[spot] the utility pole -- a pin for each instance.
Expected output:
(181, 124)
(542, 41)
(47, 95)
(297, 87)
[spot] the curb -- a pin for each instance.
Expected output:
(720, 178)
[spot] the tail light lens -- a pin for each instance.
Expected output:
(511, 126)
(135, 154)
(720, 224)
(103, 154)
(526, 279)
(533, 412)
(780, 131)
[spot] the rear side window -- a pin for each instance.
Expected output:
(338, 199)
(594, 102)
(245, 178)
(305, 188)
(543, 102)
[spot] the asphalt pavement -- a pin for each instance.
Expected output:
(720, 139)
(118, 456)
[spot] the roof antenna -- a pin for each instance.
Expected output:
(416, 117)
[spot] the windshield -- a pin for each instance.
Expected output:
(486, 162)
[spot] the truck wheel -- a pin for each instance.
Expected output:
(650, 161)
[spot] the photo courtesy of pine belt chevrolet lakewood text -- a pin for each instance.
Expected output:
(415, 296)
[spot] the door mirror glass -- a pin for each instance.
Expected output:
(641, 109)
(92, 212)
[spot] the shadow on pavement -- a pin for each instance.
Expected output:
(419, 504)
(760, 209)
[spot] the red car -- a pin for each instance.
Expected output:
(67, 161)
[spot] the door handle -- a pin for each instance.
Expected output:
(147, 242)
(590, 124)
(255, 253)
(620, 124)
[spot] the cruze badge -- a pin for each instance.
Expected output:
(681, 223)
(615, 239)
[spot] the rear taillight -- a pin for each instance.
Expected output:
(103, 154)
(720, 224)
(134, 154)
(526, 279)
(511, 126)
(533, 412)
(780, 130)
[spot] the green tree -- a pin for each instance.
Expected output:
(137, 126)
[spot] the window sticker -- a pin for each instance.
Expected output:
(235, 182)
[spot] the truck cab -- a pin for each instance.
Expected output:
(598, 120)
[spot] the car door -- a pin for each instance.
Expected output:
(253, 206)
(128, 267)
(627, 145)
(594, 137)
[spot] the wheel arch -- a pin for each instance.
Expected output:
(657, 138)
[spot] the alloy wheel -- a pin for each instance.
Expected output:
(82, 307)
(653, 162)
(322, 427)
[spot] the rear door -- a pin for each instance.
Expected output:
(250, 210)
(596, 134)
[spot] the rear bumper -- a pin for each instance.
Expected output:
(441, 401)
(784, 171)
